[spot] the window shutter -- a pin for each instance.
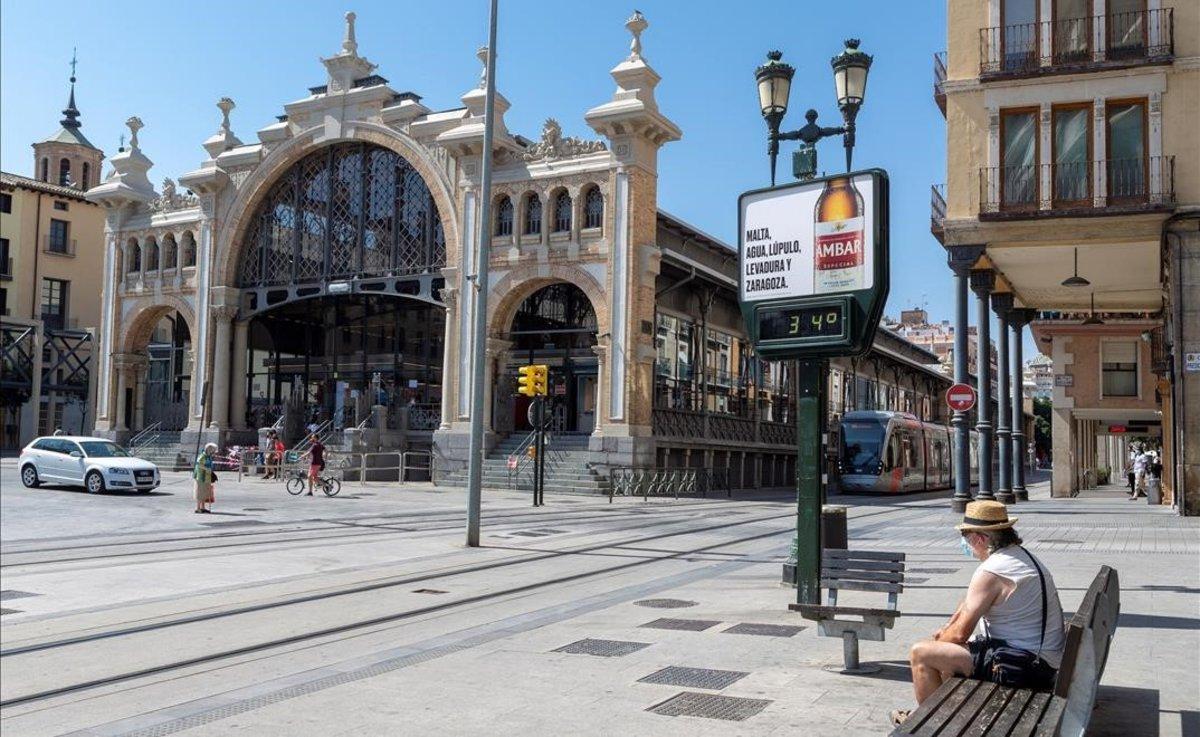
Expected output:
(1120, 352)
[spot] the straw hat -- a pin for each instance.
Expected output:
(986, 516)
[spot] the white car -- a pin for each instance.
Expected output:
(95, 464)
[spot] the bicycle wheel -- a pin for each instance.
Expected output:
(331, 486)
(296, 485)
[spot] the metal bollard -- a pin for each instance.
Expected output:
(833, 527)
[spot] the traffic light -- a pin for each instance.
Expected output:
(541, 379)
(526, 381)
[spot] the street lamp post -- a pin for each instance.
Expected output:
(774, 80)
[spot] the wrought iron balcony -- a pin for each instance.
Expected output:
(1077, 44)
(939, 81)
(937, 210)
(58, 246)
(1104, 187)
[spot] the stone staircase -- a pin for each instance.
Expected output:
(163, 451)
(567, 468)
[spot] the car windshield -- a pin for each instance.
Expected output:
(103, 449)
(861, 442)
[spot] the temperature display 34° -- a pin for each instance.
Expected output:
(824, 321)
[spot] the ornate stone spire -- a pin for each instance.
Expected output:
(349, 44)
(636, 24)
(482, 55)
(223, 139)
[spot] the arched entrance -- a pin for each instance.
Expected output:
(337, 356)
(168, 375)
(556, 326)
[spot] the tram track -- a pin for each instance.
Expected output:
(384, 619)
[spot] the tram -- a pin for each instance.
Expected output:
(894, 452)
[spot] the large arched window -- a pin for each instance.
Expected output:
(134, 264)
(64, 172)
(87, 177)
(346, 210)
(533, 214)
(170, 252)
(504, 216)
(45, 169)
(593, 208)
(151, 254)
(187, 250)
(562, 212)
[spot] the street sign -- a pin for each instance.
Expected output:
(960, 397)
(1116, 429)
(813, 265)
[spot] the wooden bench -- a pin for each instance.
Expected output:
(964, 706)
(856, 570)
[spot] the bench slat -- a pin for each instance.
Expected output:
(917, 719)
(1031, 715)
(1052, 718)
(820, 610)
(862, 554)
(949, 706)
(842, 584)
(863, 575)
(970, 712)
(842, 564)
(1008, 716)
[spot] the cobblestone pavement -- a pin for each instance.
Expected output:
(365, 615)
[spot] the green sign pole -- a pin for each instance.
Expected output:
(810, 426)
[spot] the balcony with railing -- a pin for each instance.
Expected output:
(1067, 45)
(1106, 187)
(939, 81)
(58, 246)
(937, 211)
(6, 268)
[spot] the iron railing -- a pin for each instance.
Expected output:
(1066, 44)
(58, 246)
(1097, 186)
(145, 437)
(673, 482)
(937, 209)
(939, 80)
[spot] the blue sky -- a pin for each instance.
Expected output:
(169, 62)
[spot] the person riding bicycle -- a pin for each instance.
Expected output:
(316, 453)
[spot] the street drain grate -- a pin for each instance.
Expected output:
(677, 675)
(913, 580)
(8, 594)
(710, 706)
(931, 570)
(692, 625)
(602, 648)
(430, 591)
(665, 603)
(235, 523)
(5, 610)
(766, 630)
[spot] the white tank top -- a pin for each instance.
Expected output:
(1017, 619)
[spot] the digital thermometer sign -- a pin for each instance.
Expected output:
(812, 321)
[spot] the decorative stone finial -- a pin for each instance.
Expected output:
(482, 55)
(636, 24)
(225, 105)
(349, 44)
(134, 124)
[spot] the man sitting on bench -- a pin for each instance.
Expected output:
(1013, 600)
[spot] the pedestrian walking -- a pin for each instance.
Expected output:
(1009, 627)
(203, 478)
(316, 465)
(274, 455)
(1141, 466)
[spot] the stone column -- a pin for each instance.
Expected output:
(238, 391)
(982, 283)
(222, 317)
(1002, 304)
(140, 370)
(601, 351)
(497, 351)
(449, 295)
(1017, 320)
(960, 259)
(120, 367)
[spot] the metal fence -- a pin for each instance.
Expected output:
(388, 466)
(673, 482)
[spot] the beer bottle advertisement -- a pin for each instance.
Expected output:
(810, 240)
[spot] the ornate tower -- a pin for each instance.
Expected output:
(68, 157)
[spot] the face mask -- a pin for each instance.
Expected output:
(966, 548)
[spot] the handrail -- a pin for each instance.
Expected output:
(322, 432)
(137, 440)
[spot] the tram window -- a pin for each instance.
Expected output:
(861, 445)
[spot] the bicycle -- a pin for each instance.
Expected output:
(298, 482)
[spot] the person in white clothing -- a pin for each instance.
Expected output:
(1011, 602)
(1141, 466)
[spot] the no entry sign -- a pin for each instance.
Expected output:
(960, 397)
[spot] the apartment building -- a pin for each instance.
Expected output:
(1072, 205)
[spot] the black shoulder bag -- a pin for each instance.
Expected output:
(1016, 667)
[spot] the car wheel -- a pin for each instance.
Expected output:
(94, 482)
(29, 476)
